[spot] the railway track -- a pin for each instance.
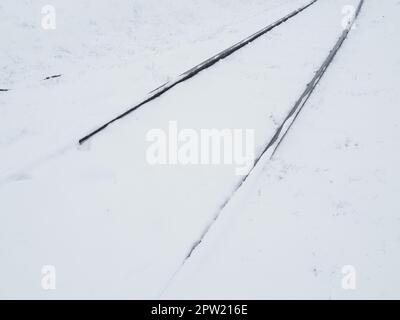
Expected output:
(195, 70)
(280, 133)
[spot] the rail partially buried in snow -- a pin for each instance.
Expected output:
(285, 126)
(195, 70)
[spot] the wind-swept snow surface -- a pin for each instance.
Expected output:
(114, 226)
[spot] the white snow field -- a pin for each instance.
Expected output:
(114, 226)
(100, 79)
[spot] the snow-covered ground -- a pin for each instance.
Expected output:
(113, 226)
(97, 84)
(140, 34)
(328, 199)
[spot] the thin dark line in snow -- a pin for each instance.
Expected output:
(52, 77)
(195, 70)
(278, 137)
(44, 79)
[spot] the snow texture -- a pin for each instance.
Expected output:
(115, 226)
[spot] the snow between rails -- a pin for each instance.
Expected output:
(279, 135)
